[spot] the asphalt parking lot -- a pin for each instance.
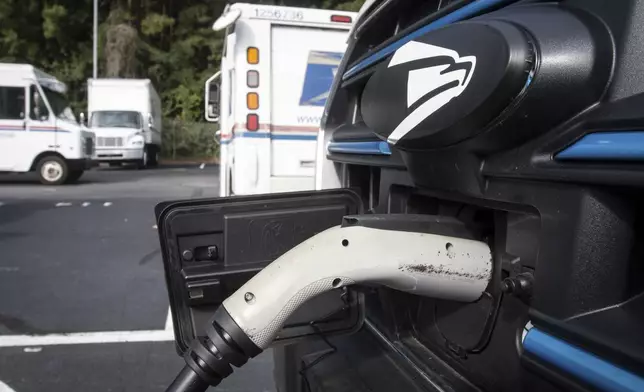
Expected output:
(83, 305)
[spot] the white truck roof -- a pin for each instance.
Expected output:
(119, 82)
(16, 72)
(285, 15)
(121, 94)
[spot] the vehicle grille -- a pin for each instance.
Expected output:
(89, 146)
(109, 142)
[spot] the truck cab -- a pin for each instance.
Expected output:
(125, 115)
(38, 130)
(276, 71)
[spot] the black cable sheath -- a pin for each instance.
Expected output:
(187, 381)
(210, 358)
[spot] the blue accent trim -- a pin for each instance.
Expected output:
(456, 16)
(49, 130)
(623, 146)
(267, 135)
(583, 365)
(294, 137)
(371, 148)
(253, 135)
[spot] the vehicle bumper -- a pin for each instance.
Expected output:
(118, 154)
(80, 164)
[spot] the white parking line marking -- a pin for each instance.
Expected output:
(35, 342)
(32, 349)
(107, 204)
(202, 166)
(63, 204)
(5, 388)
(85, 338)
(85, 204)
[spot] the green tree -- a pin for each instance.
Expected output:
(169, 41)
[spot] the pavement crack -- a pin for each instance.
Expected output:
(149, 257)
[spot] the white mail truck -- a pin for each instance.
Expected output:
(38, 130)
(276, 72)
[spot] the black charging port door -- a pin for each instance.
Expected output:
(211, 247)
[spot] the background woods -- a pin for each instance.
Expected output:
(168, 41)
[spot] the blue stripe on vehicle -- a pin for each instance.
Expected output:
(266, 135)
(462, 13)
(294, 137)
(623, 146)
(366, 148)
(254, 135)
(34, 130)
(49, 130)
(585, 366)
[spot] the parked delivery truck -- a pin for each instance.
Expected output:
(38, 130)
(125, 115)
(276, 71)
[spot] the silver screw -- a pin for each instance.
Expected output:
(249, 297)
(187, 255)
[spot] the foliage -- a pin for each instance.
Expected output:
(169, 41)
(183, 139)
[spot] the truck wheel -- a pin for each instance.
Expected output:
(230, 183)
(145, 161)
(52, 170)
(153, 156)
(73, 176)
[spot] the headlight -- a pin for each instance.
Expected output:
(136, 140)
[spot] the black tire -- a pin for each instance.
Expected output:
(74, 175)
(52, 170)
(230, 183)
(145, 162)
(154, 156)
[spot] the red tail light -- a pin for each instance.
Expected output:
(341, 19)
(252, 122)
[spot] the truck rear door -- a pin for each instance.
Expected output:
(303, 63)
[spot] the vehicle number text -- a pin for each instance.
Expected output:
(278, 14)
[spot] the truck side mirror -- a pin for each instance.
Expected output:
(81, 118)
(38, 109)
(150, 121)
(213, 98)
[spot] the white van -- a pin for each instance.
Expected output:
(38, 130)
(125, 115)
(276, 72)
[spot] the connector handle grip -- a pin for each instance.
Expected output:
(425, 264)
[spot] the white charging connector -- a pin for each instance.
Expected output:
(431, 257)
(426, 264)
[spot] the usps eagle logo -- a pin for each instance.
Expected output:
(321, 68)
(444, 76)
